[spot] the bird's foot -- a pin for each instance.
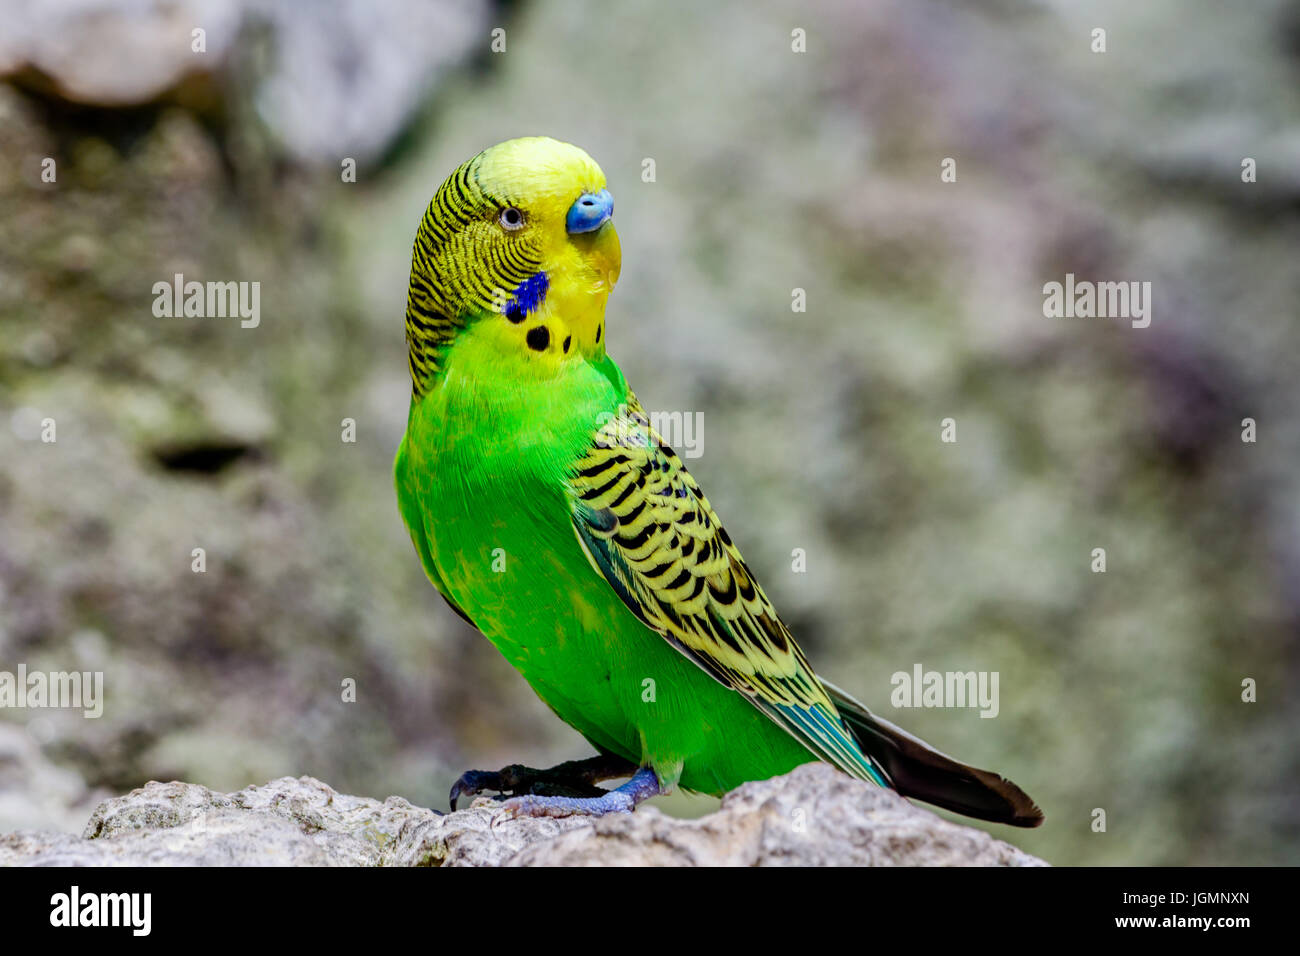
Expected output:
(643, 785)
(577, 778)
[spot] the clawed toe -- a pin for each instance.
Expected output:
(643, 785)
(517, 780)
(531, 805)
(473, 782)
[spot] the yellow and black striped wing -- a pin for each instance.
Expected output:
(646, 526)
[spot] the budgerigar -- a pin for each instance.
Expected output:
(555, 520)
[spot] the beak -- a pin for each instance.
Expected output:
(589, 212)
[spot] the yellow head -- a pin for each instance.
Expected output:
(520, 237)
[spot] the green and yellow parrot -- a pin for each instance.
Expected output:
(555, 520)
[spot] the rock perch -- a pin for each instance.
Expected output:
(813, 816)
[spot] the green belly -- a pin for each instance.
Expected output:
(509, 558)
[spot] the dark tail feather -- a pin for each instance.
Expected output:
(918, 770)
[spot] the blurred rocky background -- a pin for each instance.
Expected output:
(774, 170)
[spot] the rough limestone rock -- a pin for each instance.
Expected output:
(286, 822)
(811, 817)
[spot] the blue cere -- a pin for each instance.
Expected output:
(589, 212)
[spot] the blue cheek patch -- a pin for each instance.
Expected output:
(528, 296)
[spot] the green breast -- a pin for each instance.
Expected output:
(481, 484)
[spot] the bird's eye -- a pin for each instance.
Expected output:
(511, 218)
